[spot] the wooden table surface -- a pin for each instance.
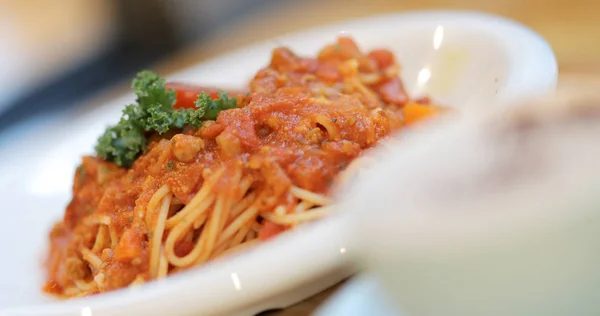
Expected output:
(570, 26)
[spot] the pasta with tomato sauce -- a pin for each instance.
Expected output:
(228, 173)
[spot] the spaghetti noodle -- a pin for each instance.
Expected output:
(257, 170)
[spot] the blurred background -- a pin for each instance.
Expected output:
(54, 53)
(57, 54)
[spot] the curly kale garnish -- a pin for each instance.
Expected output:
(153, 112)
(213, 107)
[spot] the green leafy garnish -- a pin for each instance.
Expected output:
(211, 107)
(122, 143)
(153, 112)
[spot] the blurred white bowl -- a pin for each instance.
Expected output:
(494, 213)
(457, 57)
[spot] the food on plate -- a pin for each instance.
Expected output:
(189, 174)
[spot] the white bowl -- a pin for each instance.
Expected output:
(493, 213)
(473, 58)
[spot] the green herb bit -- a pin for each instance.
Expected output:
(212, 108)
(150, 90)
(153, 112)
(122, 143)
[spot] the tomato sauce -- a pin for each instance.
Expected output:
(302, 122)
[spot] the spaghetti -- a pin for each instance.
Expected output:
(262, 168)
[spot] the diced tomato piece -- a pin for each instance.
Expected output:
(348, 48)
(187, 94)
(423, 100)
(328, 72)
(270, 230)
(284, 59)
(130, 245)
(183, 248)
(383, 57)
(393, 92)
(212, 130)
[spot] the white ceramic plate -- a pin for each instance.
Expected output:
(457, 57)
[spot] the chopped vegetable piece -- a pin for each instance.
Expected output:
(154, 112)
(186, 94)
(417, 112)
(270, 230)
(383, 57)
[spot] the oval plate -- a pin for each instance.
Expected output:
(459, 58)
